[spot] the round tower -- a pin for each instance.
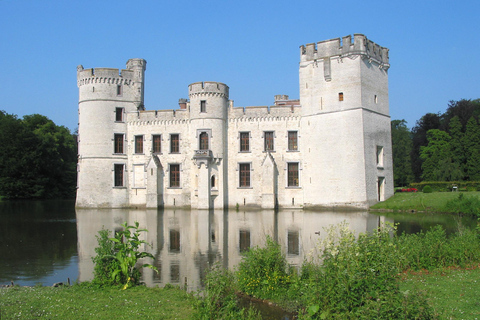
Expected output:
(105, 96)
(208, 114)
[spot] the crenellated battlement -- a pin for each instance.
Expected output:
(208, 88)
(344, 47)
(104, 75)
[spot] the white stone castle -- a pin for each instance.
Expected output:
(329, 149)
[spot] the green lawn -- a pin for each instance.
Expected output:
(88, 302)
(419, 201)
(455, 294)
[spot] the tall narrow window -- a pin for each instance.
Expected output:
(292, 141)
(379, 156)
(203, 141)
(293, 246)
(156, 143)
(118, 114)
(174, 240)
(119, 90)
(174, 143)
(175, 176)
(292, 174)
(244, 141)
(340, 96)
(118, 179)
(203, 106)
(118, 143)
(268, 137)
(244, 243)
(138, 144)
(244, 175)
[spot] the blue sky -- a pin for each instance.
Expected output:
(252, 46)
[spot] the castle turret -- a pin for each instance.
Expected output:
(208, 114)
(344, 99)
(105, 96)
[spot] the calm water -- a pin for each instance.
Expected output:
(48, 241)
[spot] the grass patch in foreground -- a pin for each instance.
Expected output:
(453, 293)
(419, 201)
(89, 302)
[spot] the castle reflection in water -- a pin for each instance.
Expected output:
(185, 243)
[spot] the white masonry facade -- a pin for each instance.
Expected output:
(329, 149)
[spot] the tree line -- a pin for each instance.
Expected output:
(37, 158)
(440, 147)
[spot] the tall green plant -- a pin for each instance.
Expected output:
(117, 257)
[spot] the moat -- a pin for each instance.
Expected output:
(49, 241)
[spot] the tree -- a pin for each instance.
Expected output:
(401, 150)
(472, 149)
(37, 158)
(437, 158)
(419, 139)
(457, 145)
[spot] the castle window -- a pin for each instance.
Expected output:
(244, 141)
(244, 175)
(244, 243)
(174, 273)
(119, 114)
(268, 140)
(380, 156)
(174, 143)
(292, 174)
(174, 241)
(119, 90)
(375, 99)
(174, 175)
(156, 143)
(203, 141)
(203, 106)
(340, 96)
(212, 182)
(292, 141)
(138, 144)
(118, 143)
(118, 175)
(293, 246)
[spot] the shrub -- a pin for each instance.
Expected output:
(119, 263)
(464, 204)
(263, 271)
(427, 189)
(220, 300)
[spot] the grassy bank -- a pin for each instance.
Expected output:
(452, 293)
(89, 302)
(434, 202)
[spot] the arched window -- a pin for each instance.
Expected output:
(203, 141)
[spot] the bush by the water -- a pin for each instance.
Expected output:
(464, 204)
(350, 277)
(427, 189)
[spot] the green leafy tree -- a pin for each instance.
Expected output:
(437, 158)
(401, 149)
(37, 158)
(457, 146)
(472, 149)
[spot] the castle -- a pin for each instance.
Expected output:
(329, 149)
